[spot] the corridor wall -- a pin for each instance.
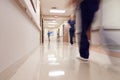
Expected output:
(111, 24)
(19, 36)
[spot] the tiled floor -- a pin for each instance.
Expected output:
(57, 61)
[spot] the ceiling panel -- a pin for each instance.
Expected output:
(46, 5)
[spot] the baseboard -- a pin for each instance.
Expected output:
(11, 70)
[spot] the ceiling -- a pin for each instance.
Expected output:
(46, 5)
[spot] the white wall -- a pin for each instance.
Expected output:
(111, 14)
(18, 35)
(110, 20)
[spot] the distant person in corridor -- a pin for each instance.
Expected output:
(49, 35)
(71, 22)
(88, 8)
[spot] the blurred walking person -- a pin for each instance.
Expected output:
(49, 35)
(88, 8)
(71, 22)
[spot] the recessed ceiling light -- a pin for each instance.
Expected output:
(50, 55)
(52, 59)
(51, 26)
(52, 23)
(57, 11)
(54, 63)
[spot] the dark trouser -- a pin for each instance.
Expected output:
(87, 15)
(71, 31)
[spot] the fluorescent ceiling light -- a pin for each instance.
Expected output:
(54, 63)
(51, 26)
(52, 59)
(52, 23)
(57, 11)
(49, 56)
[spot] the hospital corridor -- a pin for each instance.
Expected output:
(41, 40)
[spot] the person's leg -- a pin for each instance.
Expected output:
(87, 18)
(71, 40)
(73, 36)
(84, 45)
(49, 39)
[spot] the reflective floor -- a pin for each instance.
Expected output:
(57, 61)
